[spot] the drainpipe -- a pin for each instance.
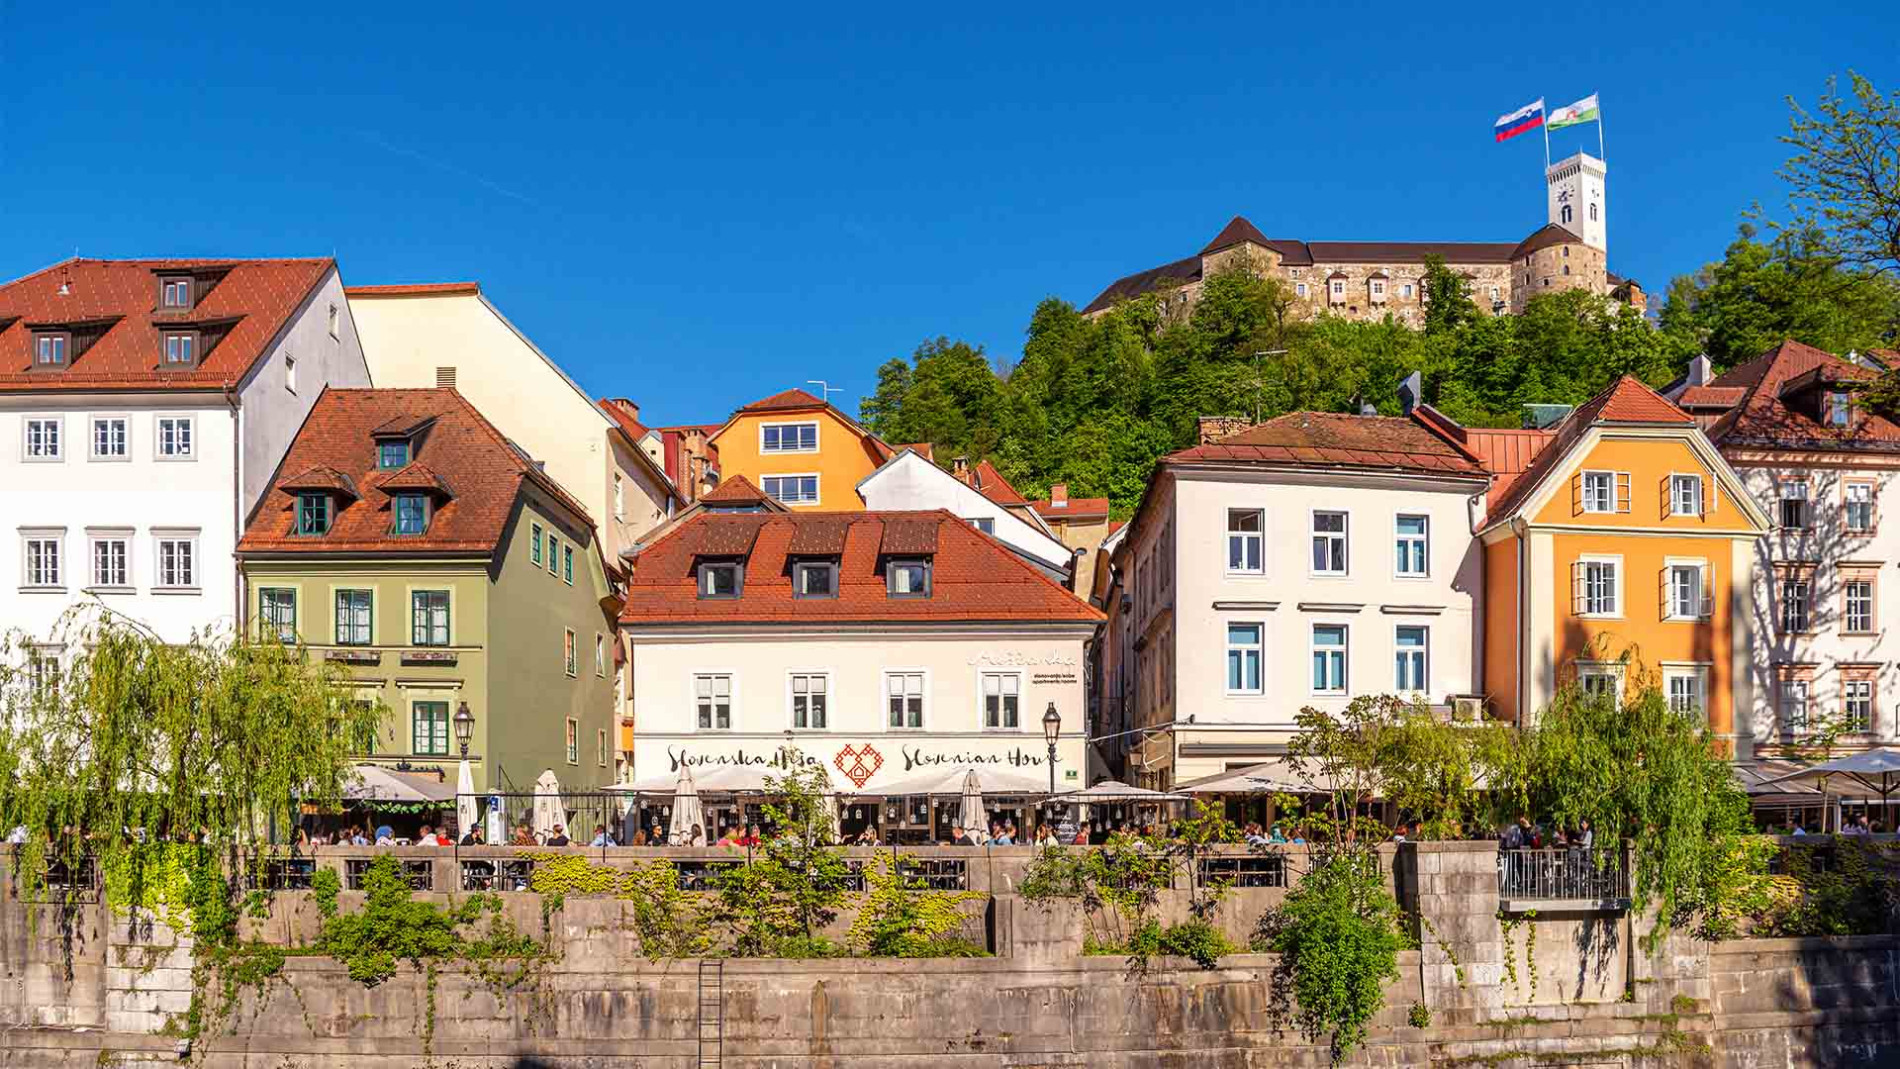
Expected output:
(237, 505)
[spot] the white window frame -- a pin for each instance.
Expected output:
(1805, 495)
(1847, 602)
(1847, 505)
(1581, 592)
(983, 677)
(1801, 690)
(109, 419)
(58, 453)
(1343, 535)
(712, 715)
(1258, 648)
(1258, 538)
(600, 655)
(923, 703)
(43, 536)
(1584, 495)
(817, 494)
(1343, 651)
(600, 747)
(1679, 480)
(571, 740)
(1703, 606)
(1400, 540)
(792, 676)
(620, 496)
(1611, 670)
(1784, 581)
(1849, 698)
(1698, 677)
(188, 423)
(570, 653)
(1422, 653)
(816, 437)
(1299, 288)
(194, 563)
(96, 537)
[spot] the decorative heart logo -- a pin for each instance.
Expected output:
(859, 763)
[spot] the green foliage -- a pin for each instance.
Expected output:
(1338, 938)
(393, 926)
(1419, 1016)
(795, 882)
(1117, 886)
(900, 917)
(1448, 304)
(667, 918)
(325, 885)
(1842, 178)
(1848, 890)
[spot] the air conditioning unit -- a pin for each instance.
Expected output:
(1467, 710)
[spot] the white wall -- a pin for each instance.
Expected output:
(1049, 664)
(908, 481)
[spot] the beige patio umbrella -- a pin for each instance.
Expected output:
(547, 805)
(970, 812)
(465, 801)
(687, 811)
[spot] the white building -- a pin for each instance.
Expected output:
(887, 647)
(1303, 562)
(144, 407)
(909, 482)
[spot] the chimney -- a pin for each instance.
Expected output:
(632, 410)
(1700, 370)
(1059, 496)
(959, 465)
(1214, 428)
(1411, 393)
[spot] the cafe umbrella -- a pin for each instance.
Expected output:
(970, 809)
(1875, 771)
(547, 805)
(687, 812)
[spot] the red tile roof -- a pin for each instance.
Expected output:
(1625, 401)
(1078, 508)
(1337, 440)
(415, 476)
(1711, 396)
(620, 410)
(973, 577)
(1506, 453)
(250, 303)
(922, 449)
(415, 289)
(734, 490)
(480, 472)
(1765, 417)
(986, 480)
(787, 400)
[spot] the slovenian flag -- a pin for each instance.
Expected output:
(1577, 114)
(1528, 117)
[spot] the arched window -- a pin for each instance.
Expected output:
(1566, 213)
(1593, 213)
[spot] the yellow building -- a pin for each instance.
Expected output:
(1622, 551)
(800, 450)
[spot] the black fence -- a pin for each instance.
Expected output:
(1564, 874)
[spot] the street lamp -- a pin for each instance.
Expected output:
(1051, 727)
(464, 726)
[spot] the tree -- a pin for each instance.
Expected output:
(882, 413)
(1845, 175)
(777, 904)
(1447, 297)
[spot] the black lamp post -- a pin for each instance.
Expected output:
(464, 726)
(1051, 727)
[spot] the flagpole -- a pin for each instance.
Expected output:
(1600, 155)
(1545, 125)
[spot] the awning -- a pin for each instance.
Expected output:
(949, 781)
(1266, 777)
(374, 783)
(723, 779)
(1111, 792)
(1868, 774)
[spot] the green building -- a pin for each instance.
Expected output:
(405, 538)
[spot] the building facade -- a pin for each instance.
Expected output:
(144, 408)
(886, 646)
(800, 450)
(909, 482)
(408, 541)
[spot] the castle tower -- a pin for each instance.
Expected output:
(1576, 199)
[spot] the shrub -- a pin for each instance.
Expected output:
(1338, 937)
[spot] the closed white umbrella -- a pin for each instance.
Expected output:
(970, 812)
(547, 805)
(465, 815)
(687, 811)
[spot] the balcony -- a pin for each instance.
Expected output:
(1563, 879)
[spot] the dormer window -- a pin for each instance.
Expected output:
(51, 349)
(721, 579)
(174, 293)
(907, 578)
(392, 453)
(181, 348)
(1839, 409)
(412, 514)
(815, 579)
(313, 514)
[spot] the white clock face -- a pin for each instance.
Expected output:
(1563, 196)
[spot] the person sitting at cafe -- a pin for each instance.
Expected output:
(866, 837)
(385, 835)
(524, 836)
(474, 837)
(727, 837)
(1001, 836)
(960, 836)
(601, 838)
(559, 838)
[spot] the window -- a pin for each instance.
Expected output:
(49, 350)
(984, 523)
(43, 671)
(1000, 700)
(290, 373)
(177, 562)
(110, 562)
(313, 514)
(1857, 704)
(788, 438)
(181, 349)
(809, 693)
(175, 438)
(428, 617)
(277, 614)
(43, 566)
(570, 659)
(1329, 659)
(1685, 495)
(1860, 506)
(908, 578)
(1599, 491)
(1244, 653)
(573, 741)
(534, 544)
(1685, 690)
(620, 496)
(1410, 664)
(392, 453)
(713, 696)
(1407, 290)
(333, 321)
(792, 489)
(110, 438)
(1245, 532)
(814, 579)
(1794, 505)
(1794, 706)
(429, 728)
(554, 553)
(1687, 597)
(1378, 287)
(1339, 288)
(567, 565)
(353, 615)
(1598, 587)
(1566, 217)
(1410, 543)
(720, 579)
(1797, 599)
(600, 748)
(1300, 289)
(1600, 679)
(1839, 409)
(600, 655)
(42, 439)
(412, 514)
(904, 697)
(1329, 543)
(175, 293)
(1858, 593)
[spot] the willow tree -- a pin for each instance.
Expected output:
(129, 745)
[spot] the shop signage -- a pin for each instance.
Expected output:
(1012, 659)
(920, 757)
(859, 763)
(740, 758)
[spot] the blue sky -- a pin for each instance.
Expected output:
(696, 207)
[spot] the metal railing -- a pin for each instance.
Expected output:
(498, 874)
(420, 874)
(1564, 874)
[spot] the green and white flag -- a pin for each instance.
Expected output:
(1577, 114)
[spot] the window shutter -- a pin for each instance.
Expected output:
(1576, 494)
(445, 378)
(1665, 602)
(1668, 495)
(1622, 491)
(1576, 587)
(1708, 591)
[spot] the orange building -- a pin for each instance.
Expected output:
(800, 450)
(1618, 548)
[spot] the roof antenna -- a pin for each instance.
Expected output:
(826, 389)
